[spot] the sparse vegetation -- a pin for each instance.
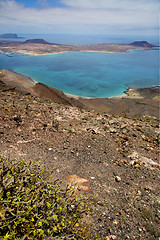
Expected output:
(147, 214)
(34, 208)
(86, 118)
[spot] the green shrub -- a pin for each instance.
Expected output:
(86, 118)
(34, 208)
(147, 214)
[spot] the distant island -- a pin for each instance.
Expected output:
(38, 47)
(9, 36)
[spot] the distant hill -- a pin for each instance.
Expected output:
(9, 36)
(39, 41)
(142, 44)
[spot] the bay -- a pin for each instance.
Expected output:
(89, 74)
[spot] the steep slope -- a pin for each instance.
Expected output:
(42, 90)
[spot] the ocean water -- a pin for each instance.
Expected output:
(89, 74)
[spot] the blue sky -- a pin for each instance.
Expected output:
(42, 3)
(109, 17)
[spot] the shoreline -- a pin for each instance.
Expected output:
(77, 96)
(83, 97)
(72, 51)
(54, 53)
(130, 93)
(134, 93)
(133, 103)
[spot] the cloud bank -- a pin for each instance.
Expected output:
(81, 16)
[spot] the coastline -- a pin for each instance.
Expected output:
(54, 53)
(76, 96)
(39, 47)
(30, 53)
(135, 102)
(12, 77)
(83, 97)
(17, 79)
(130, 93)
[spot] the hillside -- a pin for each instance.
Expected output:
(42, 90)
(136, 103)
(117, 156)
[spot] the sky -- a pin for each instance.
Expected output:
(108, 17)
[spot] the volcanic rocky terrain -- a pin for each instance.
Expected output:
(114, 157)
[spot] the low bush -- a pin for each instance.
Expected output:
(32, 207)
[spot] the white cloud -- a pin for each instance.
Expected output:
(114, 4)
(82, 16)
(43, 3)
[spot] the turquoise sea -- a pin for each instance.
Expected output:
(90, 74)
